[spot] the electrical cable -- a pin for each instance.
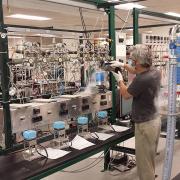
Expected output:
(113, 160)
(83, 22)
(97, 20)
(120, 18)
(97, 137)
(112, 127)
(130, 163)
(87, 35)
(126, 20)
(89, 165)
(102, 26)
(44, 148)
(84, 169)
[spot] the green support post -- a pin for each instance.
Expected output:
(112, 46)
(107, 159)
(4, 59)
(135, 26)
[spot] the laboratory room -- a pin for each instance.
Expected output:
(89, 89)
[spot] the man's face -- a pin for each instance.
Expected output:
(136, 64)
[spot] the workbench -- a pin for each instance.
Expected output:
(13, 166)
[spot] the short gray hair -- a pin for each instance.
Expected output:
(143, 54)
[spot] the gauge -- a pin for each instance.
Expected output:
(44, 60)
(60, 59)
(31, 61)
(12, 91)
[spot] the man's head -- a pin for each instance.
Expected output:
(141, 56)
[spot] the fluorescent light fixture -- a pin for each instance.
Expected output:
(111, 1)
(129, 6)
(173, 14)
(46, 35)
(29, 17)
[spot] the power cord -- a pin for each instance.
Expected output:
(44, 148)
(113, 160)
(130, 163)
(91, 134)
(89, 165)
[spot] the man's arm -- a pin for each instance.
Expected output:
(130, 69)
(123, 90)
(126, 66)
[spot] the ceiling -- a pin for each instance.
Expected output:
(68, 17)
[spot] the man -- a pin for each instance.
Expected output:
(144, 90)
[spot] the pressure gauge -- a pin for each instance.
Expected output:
(44, 60)
(31, 61)
(60, 59)
(12, 91)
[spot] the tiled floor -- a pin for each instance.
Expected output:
(96, 174)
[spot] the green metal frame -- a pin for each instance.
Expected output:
(136, 16)
(106, 3)
(5, 73)
(135, 26)
(4, 59)
(157, 14)
(99, 3)
(117, 29)
(109, 7)
(5, 82)
(112, 46)
(96, 2)
(43, 28)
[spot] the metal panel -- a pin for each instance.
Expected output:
(86, 101)
(102, 101)
(49, 111)
(63, 108)
(21, 119)
(75, 104)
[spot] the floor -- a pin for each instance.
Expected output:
(97, 174)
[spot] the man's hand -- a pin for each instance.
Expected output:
(118, 76)
(116, 64)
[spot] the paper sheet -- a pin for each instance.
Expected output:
(54, 153)
(80, 143)
(119, 128)
(130, 143)
(102, 136)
